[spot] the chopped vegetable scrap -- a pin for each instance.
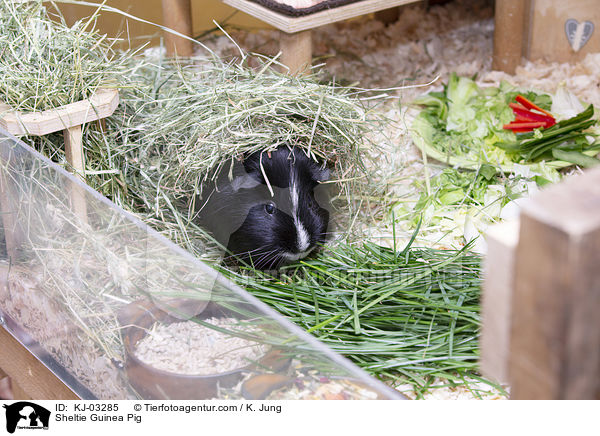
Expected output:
(566, 140)
(465, 126)
(526, 119)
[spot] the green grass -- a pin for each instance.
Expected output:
(405, 317)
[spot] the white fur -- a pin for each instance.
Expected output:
(296, 256)
(303, 239)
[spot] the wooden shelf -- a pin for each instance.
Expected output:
(298, 24)
(101, 105)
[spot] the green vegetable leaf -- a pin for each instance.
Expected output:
(575, 157)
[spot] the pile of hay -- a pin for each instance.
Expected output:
(45, 64)
(177, 120)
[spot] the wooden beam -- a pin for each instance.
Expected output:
(177, 15)
(297, 24)
(101, 105)
(296, 51)
(74, 149)
(76, 158)
(555, 332)
(31, 379)
(509, 28)
(496, 304)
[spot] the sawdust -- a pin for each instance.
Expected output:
(190, 348)
(48, 324)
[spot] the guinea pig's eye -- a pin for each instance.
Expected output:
(270, 208)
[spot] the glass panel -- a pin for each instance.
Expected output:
(117, 311)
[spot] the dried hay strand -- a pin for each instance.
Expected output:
(45, 64)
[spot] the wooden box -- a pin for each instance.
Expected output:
(562, 31)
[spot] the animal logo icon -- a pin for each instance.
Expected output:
(24, 414)
(578, 34)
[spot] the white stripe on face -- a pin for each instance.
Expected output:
(302, 236)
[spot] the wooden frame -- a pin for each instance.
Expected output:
(177, 15)
(68, 118)
(295, 39)
(541, 332)
(30, 378)
(298, 24)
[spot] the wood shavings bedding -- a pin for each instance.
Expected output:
(46, 322)
(191, 348)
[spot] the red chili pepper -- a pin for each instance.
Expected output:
(530, 105)
(524, 114)
(517, 106)
(528, 126)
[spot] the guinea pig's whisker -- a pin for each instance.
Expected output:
(265, 258)
(237, 255)
(256, 256)
(268, 259)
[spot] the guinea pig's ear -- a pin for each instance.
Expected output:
(320, 174)
(245, 181)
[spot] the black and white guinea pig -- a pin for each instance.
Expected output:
(272, 210)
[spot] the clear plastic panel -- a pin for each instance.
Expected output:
(117, 311)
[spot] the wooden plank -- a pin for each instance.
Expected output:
(19, 393)
(296, 51)
(298, 24)
(498, 283)
(34, 380)
(548, 37)
(101, 105)
(509, 27)
(555, 333)
(74, 149)
(177, 15)
(6, 391)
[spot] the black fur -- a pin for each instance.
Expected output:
(260, 228)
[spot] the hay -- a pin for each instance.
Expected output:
(45, 64)
(179, 120)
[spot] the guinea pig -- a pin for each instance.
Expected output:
(269, 209)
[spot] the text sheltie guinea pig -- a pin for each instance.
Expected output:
(270, 209)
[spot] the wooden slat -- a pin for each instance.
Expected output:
(508, 34)
(296, 51)
(298, 24)
(177, 15)
(555, 333)
(502, 240)
(32, 379)
(100, 105)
